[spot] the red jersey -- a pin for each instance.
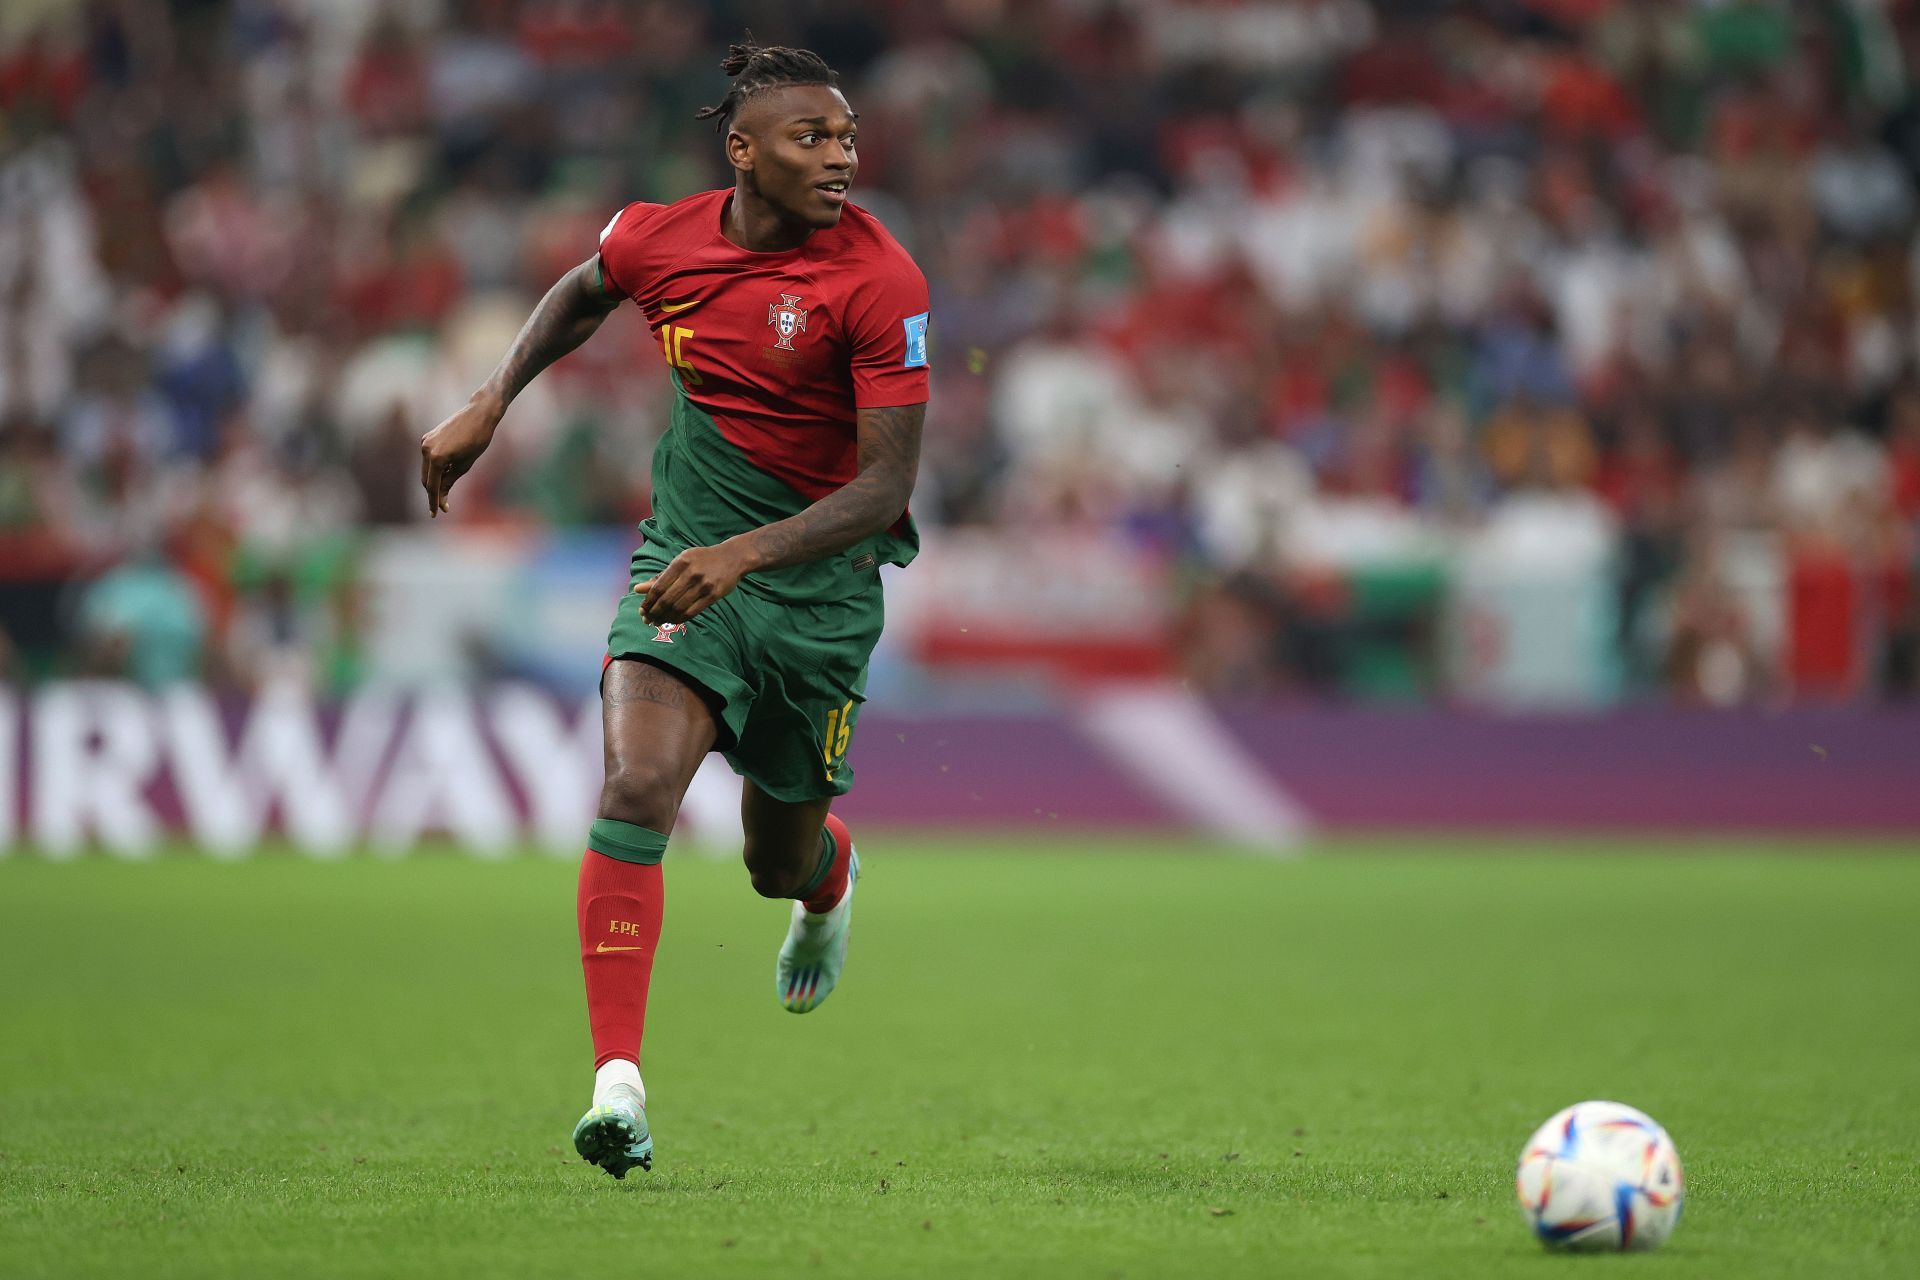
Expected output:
(771, 354)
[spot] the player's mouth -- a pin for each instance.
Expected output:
(834, 189)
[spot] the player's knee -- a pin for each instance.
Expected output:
(774, 882)
(770, 884)
(773, 877)
(640, 792)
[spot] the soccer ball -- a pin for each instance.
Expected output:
(1600, 1175)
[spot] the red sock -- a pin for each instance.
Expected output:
(834, 887)
(619, 909)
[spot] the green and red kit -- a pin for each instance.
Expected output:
(771, 355)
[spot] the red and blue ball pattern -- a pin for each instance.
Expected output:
(1600, 1176)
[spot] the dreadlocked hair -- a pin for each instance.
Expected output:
(756, 67)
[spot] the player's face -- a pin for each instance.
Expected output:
(796, 146)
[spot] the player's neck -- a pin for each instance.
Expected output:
(758, 227)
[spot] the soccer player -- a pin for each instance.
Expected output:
(795, 331)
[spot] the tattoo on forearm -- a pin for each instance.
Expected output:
(565, 318)
(872, 500)
(629, 682)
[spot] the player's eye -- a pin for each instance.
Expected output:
(808, 139)
(850, 140)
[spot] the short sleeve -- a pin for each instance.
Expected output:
(620, 245)
(887, 332)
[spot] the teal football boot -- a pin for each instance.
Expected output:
(815, 950)
(614, 1133)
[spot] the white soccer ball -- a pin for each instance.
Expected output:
(1600, 1175)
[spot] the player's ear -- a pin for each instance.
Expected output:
(739, 150)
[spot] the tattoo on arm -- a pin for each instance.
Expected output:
(565, 318)
(889, 442)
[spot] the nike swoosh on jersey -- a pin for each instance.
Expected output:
(669, 308)
(604, 947)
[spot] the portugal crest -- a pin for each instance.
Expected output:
(787, 317)
(664, 632)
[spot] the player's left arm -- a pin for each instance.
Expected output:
(889, 458)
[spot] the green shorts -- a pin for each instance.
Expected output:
(785, 680)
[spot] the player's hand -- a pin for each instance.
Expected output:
(693, 580)
(449, 450)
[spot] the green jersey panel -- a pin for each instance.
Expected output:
(706, 490)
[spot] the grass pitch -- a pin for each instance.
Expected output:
(1060, 1061)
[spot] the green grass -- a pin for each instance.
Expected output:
(1056, 1061)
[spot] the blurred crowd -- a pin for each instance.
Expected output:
(1277, 293)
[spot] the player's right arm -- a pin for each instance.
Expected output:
(565, 318)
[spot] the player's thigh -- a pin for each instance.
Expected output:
(782, 837)
(657, 726)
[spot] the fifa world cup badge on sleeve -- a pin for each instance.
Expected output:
(916, 341)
